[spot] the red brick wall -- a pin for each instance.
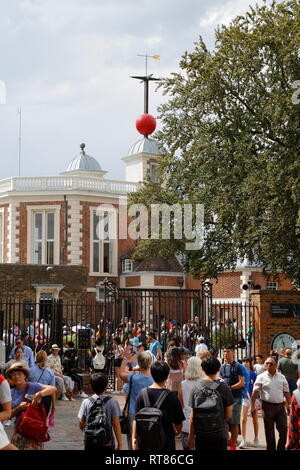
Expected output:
(262, 279)
(133, 281)
(165, 281)
(227, 286)
(266, 326)
(192, 283)
(17, 280)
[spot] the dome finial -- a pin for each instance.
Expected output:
(82, 146)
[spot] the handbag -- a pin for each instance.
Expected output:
(124, 419)
(32, 422)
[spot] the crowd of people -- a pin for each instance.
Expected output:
(203, 400)
(198, 397)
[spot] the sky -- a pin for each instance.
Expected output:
(67, 65)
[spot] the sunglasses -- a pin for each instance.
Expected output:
(270, 364)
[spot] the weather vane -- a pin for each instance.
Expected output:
(146, 124)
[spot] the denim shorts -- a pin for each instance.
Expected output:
(236, 411)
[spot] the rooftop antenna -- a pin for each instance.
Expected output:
(146, 79)
(20, 138)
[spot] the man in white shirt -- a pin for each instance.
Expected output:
(273, 389)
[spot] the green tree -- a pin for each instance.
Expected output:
(230, 138)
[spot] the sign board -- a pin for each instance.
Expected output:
(84, 339)
(285, 310)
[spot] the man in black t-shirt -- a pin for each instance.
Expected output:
(208, 440)
(172, 414)
(232, 374)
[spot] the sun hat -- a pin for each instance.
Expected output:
(17, 367)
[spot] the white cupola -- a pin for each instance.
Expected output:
(84, 165)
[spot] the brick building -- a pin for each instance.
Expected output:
(55, 221)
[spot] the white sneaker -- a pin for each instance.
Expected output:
(256, 442)
(64, 398)
(72, 399)
(83, 395)
(242, 444)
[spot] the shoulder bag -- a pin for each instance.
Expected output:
(32, 422)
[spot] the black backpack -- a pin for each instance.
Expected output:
(98, 430)
(149, 428)
(209, 413)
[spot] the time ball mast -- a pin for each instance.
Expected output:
(146, 123)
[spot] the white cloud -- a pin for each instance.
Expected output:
(225, 13)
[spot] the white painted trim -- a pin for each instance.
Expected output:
(2, 214)
(146, 281)
(245, 278)
(45, 289)
(93, 210)
(235, 299)
(74, 234)
(31, 209)
(13, 251)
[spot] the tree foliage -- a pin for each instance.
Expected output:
(230, 138)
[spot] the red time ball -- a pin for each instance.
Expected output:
(146, 124)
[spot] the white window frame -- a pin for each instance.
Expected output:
(114, 242)
(127, 265)
(2, 213)
(274, 284)
(31, 211)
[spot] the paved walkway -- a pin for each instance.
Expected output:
(66, 434)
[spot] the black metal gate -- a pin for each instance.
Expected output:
(232, 323)
(166, 312)
(154, 308)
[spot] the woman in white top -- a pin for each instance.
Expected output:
(201, 346)
(192, 378)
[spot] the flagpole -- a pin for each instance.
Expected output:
(20, 138)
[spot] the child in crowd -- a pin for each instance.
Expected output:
(98, 384)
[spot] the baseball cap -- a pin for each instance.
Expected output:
(54, 346)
